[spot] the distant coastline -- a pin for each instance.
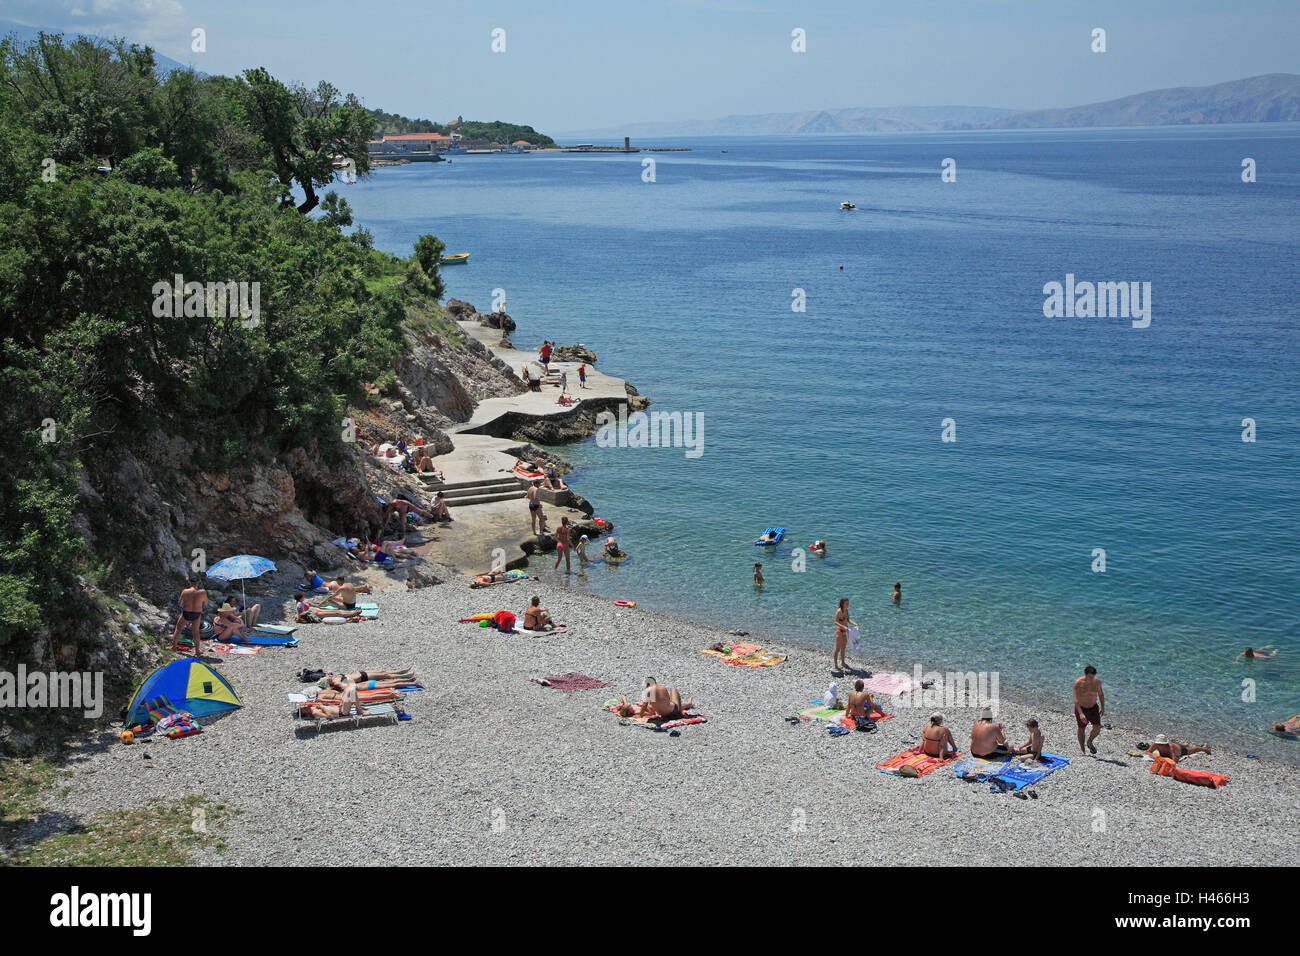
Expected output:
(1270, 98)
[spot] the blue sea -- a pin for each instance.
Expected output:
(926, 303)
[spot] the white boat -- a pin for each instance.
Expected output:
(847, 205)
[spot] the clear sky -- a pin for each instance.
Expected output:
(583, 64)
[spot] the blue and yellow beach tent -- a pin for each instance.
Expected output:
(189, 685)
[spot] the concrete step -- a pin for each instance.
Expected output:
(456, 494)
(485, 499)
(505, 480)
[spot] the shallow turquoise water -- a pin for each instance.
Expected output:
(1072, 434)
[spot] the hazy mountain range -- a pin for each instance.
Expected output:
(162, 64)
(1273, 98)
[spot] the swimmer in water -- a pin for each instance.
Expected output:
(1257, 655)
(897, 596)
(817, 547)
(758, 575)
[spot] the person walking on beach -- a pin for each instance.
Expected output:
(1089, 706)
(192, 601)
(562, 545)
(897, 596)
(582, 375)
(545, 354)
(842, 624)
(534, 506)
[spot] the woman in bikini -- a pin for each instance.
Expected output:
(842, 624)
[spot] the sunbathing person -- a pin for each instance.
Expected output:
(227, 623)
(987, 739)
(1251, 654)
(861, 703)
(306, 614)
(340, 706)
(656, 702)
(553, 480)
(936, 739)
(402, 507)
(487, 578)
(370, 680)
(439, 509)
(536, 617)
(1172, 749)
(343, 593)
(249, 614)
(1033, 747)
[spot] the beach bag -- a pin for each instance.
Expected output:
(1162, 766)
(865, 724)
(907, 770)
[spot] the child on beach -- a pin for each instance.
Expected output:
(581, 548)
(1033, 747)
(758, 575)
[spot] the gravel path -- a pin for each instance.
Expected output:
(494, 769)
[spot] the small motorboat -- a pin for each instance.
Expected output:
(847, 205)
(455, 260)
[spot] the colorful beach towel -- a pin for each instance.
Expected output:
(891, 684)
(263, 640)
(574, 681)
(1019, 775)
(234, 649)
(837, 715)
(922, 762)
(981, 768)
(743, 655)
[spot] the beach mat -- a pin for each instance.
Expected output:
(527, 633)
(891, 684)
(981, 767)
(264, 640)
(741, 654)
(1019, 775)
(574, 681)
(275, 629)
(234, 649)
(923, 763)
(836, 715)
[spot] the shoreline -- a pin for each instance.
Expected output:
(567, 782)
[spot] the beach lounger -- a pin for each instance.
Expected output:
(372, 710)
(278, 630)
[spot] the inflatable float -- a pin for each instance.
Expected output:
(778, 533)
(625, 603)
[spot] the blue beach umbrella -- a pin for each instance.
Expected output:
(241, 567)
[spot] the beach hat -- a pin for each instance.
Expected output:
(986, 713)
(585, 538)
(224, 608)
(1162, 739)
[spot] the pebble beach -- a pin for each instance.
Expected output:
(494, 769)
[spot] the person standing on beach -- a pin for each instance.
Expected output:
(192, 601)
(842, 624)
(1089, 706)
(564, 383)
(582, 375)
(545, 354)
(562, 545)
(897, 596)
(534, 506)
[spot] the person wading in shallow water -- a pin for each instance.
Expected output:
(562, 544)
(1089, 706)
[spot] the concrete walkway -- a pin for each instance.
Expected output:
(478, 530)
